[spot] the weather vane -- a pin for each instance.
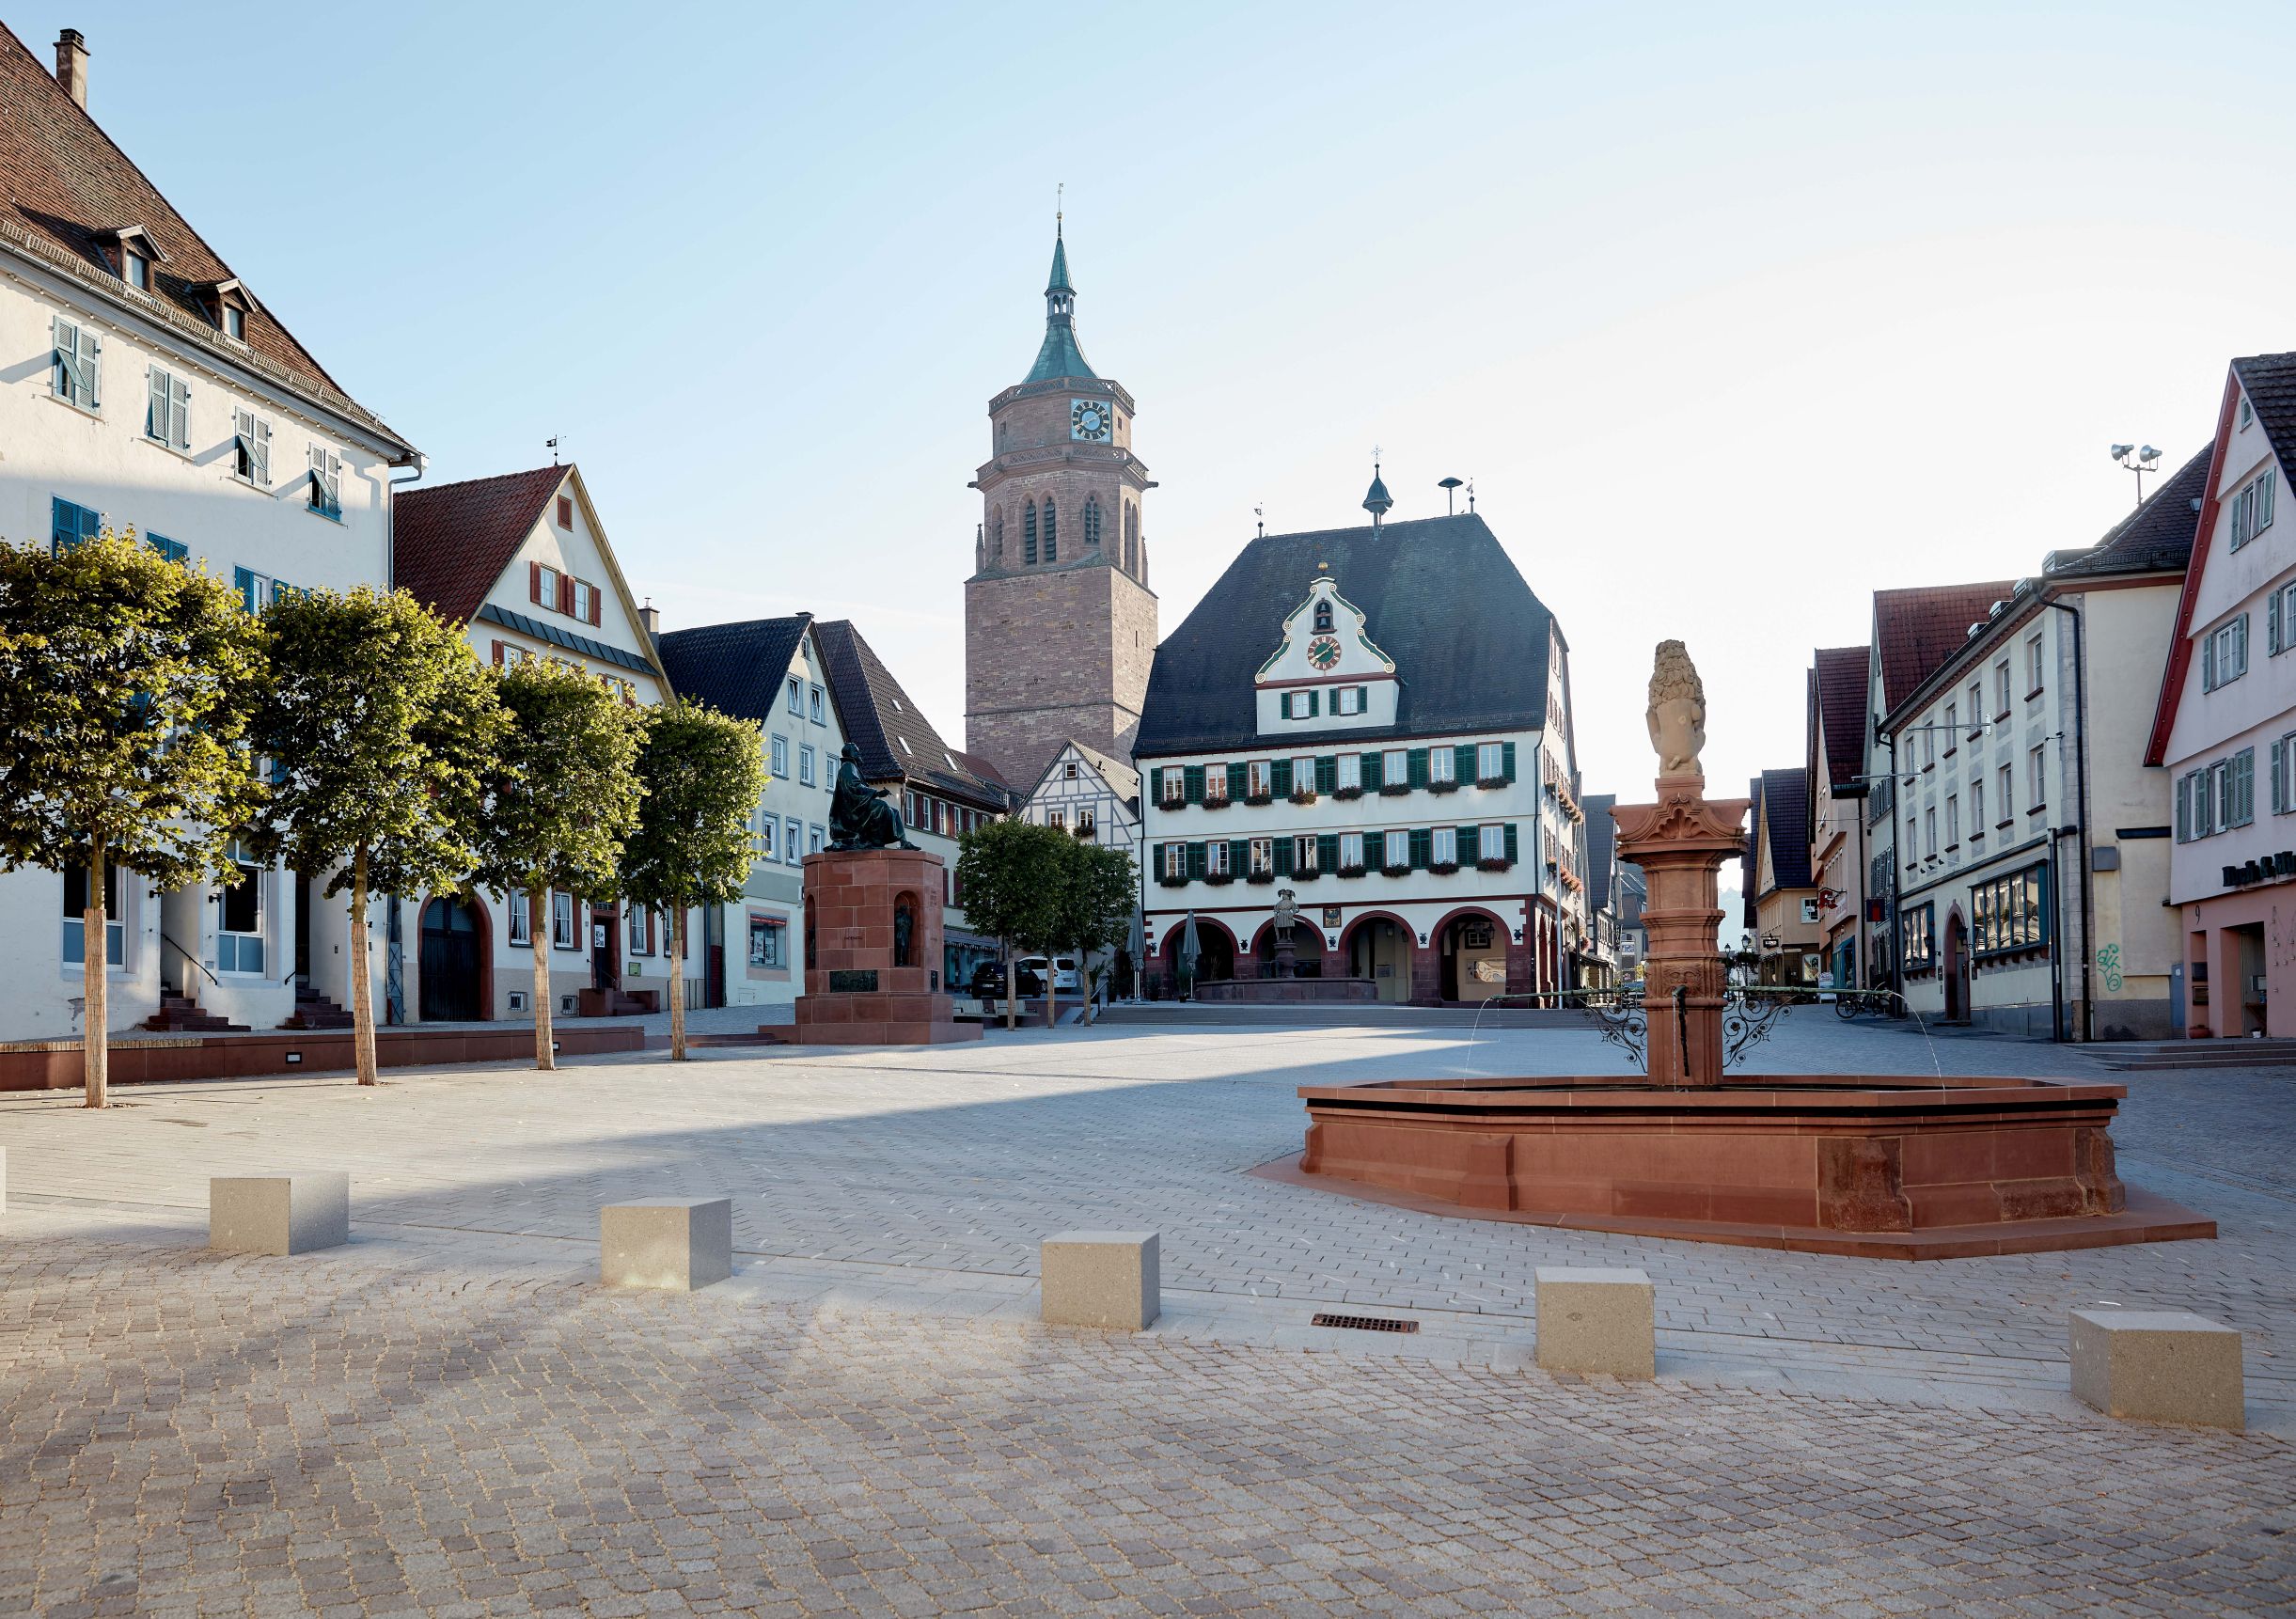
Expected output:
(1261, 513)
(551, 444)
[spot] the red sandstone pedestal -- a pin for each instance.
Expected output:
(858, 989)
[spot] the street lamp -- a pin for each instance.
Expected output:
(2139, 460)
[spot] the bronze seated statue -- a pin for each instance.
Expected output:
(862, 817)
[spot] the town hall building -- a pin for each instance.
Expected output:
(1378, 720)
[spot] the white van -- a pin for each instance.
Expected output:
(1065, 979)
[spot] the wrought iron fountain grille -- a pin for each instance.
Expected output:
(1621, 1016)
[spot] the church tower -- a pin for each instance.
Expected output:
(1059, 624)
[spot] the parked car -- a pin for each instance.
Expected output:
(988, 981)
(1065, 977)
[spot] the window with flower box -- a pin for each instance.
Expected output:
(1304, 851)
(1259, 782)
(1263, 860)
(1351, 853)
(1443, 849)
(1395, 854)
(1442, 769)
(1394, 771)
(1215, 786)
(1303, 779)
(1215, 862)
(1348, 771)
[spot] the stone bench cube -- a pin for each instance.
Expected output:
(1597, 1321)
(1100, 1279)
(677, 1244)
(2158, 1366)
(278, 1214)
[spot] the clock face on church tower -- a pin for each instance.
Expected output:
(1090, 421)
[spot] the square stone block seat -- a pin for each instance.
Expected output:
(278, 1214)
(1100, 1279)
(677, 1244)
(1597, 1321)
(2159, 1366)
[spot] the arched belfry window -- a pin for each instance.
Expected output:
(1028, 534)
(1323, 618)
(996, 537)
(1052, 532)
(1092, 523)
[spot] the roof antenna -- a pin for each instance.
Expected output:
(1060, 195)
(551, 443)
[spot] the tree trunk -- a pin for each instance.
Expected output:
(536, 924)
(1012, 990)
(362, 976)
(94, 965)
(1052, 986)
(677, 984)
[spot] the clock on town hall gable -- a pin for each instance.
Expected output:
(1327, 673)
(1059, 624)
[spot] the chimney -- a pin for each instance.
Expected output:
(72, 66)
(649, 619)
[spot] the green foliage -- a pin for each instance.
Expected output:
(702, 774)
(124, 684)
(383, 723)
(1016, 877)
(561, 789)
(1098, 899)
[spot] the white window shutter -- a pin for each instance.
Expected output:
(2271, 623)
(2280, 792)
(2207, 662)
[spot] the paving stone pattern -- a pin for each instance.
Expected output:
(446, 1415)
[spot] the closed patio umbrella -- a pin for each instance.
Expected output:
(1189, 950)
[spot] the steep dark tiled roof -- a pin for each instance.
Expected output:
(1601, 841)
(896, 740)
(735, 668)
(2157, 537)
(1440, 595)
(1784, 806)
(449, 543)
(64, 186)
(2270, 382)
(1919, 629)
(1838, 679)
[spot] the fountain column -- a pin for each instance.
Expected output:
(1680, 843)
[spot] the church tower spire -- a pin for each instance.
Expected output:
(1059, 356)
(1059, 624)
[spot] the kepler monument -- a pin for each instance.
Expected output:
(872, 929)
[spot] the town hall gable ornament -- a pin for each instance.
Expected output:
(1677, 714)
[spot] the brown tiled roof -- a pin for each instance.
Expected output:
(450, 543)
(64, 185)
(1838, 681)
(1919, 629)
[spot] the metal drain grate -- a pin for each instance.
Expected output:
(1366, 1323)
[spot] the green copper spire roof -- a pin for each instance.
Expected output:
(1059, 356)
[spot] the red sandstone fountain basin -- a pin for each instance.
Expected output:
(1884, 1167)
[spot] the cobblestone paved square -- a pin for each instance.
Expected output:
(449, 1415)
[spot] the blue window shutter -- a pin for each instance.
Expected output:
(244, 582)
(2280, 796)
(2208, 663)
(1506, 768)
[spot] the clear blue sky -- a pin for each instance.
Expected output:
(1734, 314)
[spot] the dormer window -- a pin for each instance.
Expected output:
(134, 269)
(235, 322)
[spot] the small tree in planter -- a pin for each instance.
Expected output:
(1096, 903)
(1013, 874)
(561, 796)
(701, 772)
(124, 684)
(380, 723)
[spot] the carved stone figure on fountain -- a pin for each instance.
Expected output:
(862, 817)
(1677, 713)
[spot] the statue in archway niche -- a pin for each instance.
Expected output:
(1677, 713)
(862, 817)
(905, 932)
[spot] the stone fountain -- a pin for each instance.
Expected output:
(1881, 1166)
